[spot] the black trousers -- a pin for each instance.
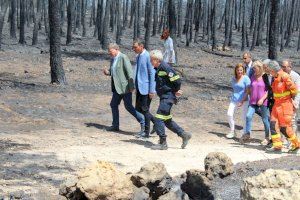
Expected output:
(142, 105)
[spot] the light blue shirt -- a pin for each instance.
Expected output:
(239, 88)
(113, 67)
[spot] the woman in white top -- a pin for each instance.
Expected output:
(169, 54)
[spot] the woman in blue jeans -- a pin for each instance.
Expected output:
(258, 102)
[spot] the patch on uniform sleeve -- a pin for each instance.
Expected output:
(171, 74)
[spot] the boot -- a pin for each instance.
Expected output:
(142, 133)
(162, 145)
(185, 139)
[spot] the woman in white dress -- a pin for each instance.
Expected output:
(169, 53)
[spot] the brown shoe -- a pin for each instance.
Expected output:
(245, 138)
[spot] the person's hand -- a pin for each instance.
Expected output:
(105, 71)
(178, 93)
(151, 95)
(260, 102)
(132, 91)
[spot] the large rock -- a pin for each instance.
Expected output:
(197, 185)
(218, 164)
(99, 181)
(155, 177)
(272, 184)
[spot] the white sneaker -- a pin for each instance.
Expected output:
(231, 135)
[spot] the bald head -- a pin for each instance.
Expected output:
(286, 66)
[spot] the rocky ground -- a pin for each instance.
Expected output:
(49, 132)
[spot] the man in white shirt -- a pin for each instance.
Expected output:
(247, 60)
(286, 66)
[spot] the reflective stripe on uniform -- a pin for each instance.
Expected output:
(163, 117)
(174, 78)
(284, 94)
(162, 73)
(275, 136)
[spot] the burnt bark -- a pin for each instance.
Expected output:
(36, 24)
(4, 9)
(105, 38)
(57, 71)
(273, 35)
(22, 22)
(13, 13)
(70, 12)
(148, 23)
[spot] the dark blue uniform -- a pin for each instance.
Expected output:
(167, 84)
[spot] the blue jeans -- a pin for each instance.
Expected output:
(265, 116)
(127, 98)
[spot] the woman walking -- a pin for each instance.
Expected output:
(240, 84)
(258, 103)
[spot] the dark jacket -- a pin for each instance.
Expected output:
(167, 81)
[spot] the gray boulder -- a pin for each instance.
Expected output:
(218, 164)
(272, 184)
(155, 177)
(197, 185)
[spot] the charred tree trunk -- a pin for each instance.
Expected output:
(273, 35)
(93, 13)
(36, 23)
(155, 17)
(244, 25)
(290, 24)
(4, 8)
(70, 21)
(172, 24)
(256, 22)
(197, 20)
(162, 15)
(57, 71)
(22, 22)
(46, 19)
(132, 12)
(125, 18)
(83, 18)
(228, 13)
(13, 19)
(213, 25)
(105, 38)
(148, 23)
(119, 27)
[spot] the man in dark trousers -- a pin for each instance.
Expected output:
(122, 86)
(144, 84)
(168, 89)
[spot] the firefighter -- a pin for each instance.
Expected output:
(168, 89)
(284, 90)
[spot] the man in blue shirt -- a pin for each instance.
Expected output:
(144, 84)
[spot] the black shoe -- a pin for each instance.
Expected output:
(113, 129)
(185, 139)
(142, 135)
(162, 145)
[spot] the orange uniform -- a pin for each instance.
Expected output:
(282, 113)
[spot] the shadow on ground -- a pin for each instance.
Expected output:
(105, 127)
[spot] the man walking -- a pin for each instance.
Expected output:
(122, 86)
(286, 66)
(168, 88)
(284, 91)
(144, 84)
(247, 59)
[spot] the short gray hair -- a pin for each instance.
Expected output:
(156, 54)
(274, 65)
(288, 61)
(113, 46)
(267, 61)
